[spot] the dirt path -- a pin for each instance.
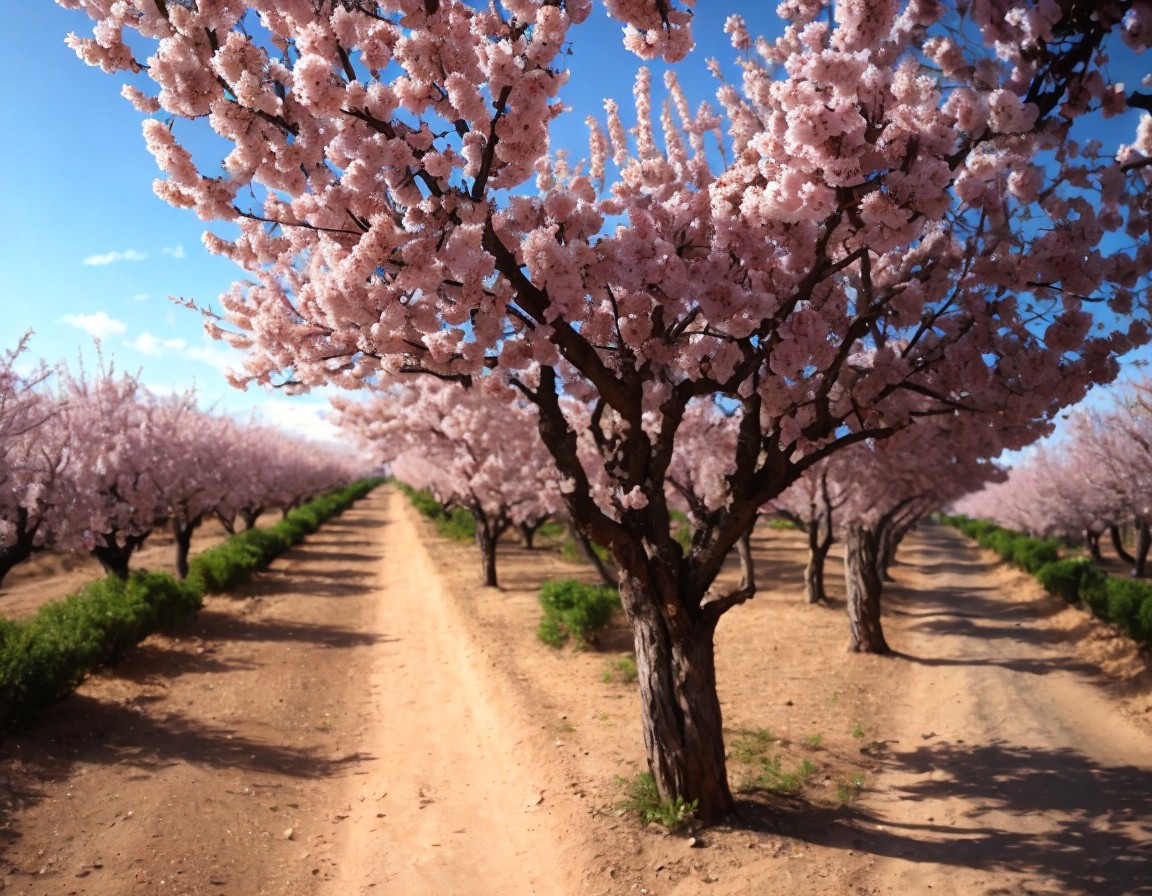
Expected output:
(364, 719)
(462, 790)
(1014, 770)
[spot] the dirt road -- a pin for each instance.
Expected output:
(364, 719)
(1013, 771)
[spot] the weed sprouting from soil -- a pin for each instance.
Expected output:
(642, 797)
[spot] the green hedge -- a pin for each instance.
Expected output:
(455, 523)
(574, 611)
(44, 658)
(1126, 603)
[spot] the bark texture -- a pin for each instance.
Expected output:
(862, 578)
(682, 720)
(819, 543)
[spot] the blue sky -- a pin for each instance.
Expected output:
(86, 248)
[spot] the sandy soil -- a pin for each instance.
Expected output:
(365, 719)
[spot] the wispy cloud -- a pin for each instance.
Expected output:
(173, 251)
(300, 417)
(141, 297)
(153, 345)
(213, 355)
(98, 325)
(113, 257)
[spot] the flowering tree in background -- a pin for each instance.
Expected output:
(811, 504)
(31, 454)
(887, 487)
(1112, 448)
(899, 225)
(110, 501)
(468, 449)
(1097, 477)
(191, 480)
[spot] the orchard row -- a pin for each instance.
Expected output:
(96, 463)
(1096, 479)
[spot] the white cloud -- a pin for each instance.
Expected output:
(173, 251)
(152, 345)
(98, 325)
(214, 356)
(112, 257)
(161, 391)
(301, 418)
(141, 297)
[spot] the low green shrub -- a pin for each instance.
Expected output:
(1126, 603)
(1126, 599)
(1031, 554)
(454, 523)
(44, 658)
(1069, 577)
(575, 611)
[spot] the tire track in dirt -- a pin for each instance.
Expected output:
(1013, 771)
(459, 792)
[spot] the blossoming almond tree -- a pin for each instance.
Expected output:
(31, 455)
(811, 502)
(888, 486)
(110, 501)
(900, 224)
(1096, 477)
(191, 482)
(469, 449)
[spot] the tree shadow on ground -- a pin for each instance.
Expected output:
(217, 626)
(1092, 823)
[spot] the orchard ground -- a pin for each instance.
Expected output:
(365, 719)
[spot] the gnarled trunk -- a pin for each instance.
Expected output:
(818, 547)
(182, 534)
(1118, 545)
(114, 556)
(862, 578)
(682, 721)
(250, 515)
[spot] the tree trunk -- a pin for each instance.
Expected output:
(1140, 552)
(682, 721)
(22, 547)
(817, 555)
(528, 534)
(250, 516)
(862, 578)
(486, 544)
(114, 557)
(1118, 545)
(487, 531)
(228, 522)
(183, 537)
(1092, 542)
